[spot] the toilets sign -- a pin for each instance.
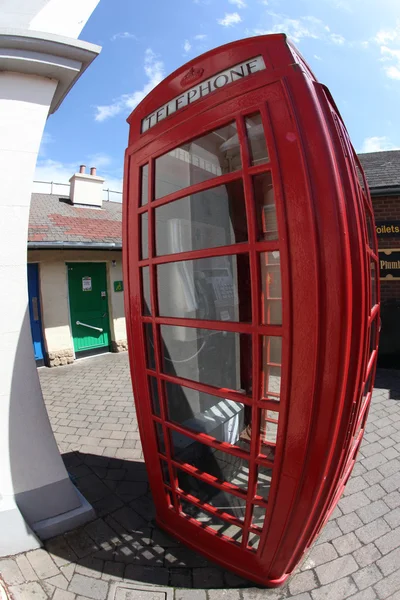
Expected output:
(214, 83)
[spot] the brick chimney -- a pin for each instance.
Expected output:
(86, 189)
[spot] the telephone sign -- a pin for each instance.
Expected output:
(251, 293)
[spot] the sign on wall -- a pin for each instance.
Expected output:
(118, 286)
(389, 263)
(387, 229)
(86, 284)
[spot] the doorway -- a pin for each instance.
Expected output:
(88, 301)
(35, 313)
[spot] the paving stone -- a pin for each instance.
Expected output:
(180, 578)
(346, 544)
(349, 522)
(208, 577)
(353, 502)
(389, 563)
(42, 564)
(153, 575)
(25, 568)
(90, 566)
(88, 586)
(393, 499)
(63, 595)
(339, 590)
(80, 542)
(59, 581)
(340, 567)
(224, 595)
(388, 585)
(28, 591)
(256, 594)
(10, 572)
(234, 581)
(392, 483)
(319, 555)
(372, 531)
(368, 594)
(302, 582)
(190, 595)
(183, 557)
(367, 577)
(389, 542)
(393, 518)
(356, 484)
(376, 492)
(329, 532)
(305, 596)
(373, 511)
(367, 555)
(372, 477)
(68, 571)
(113, 570)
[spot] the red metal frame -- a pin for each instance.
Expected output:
(327, 317)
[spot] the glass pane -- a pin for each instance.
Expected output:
(213, 288)
(272, 359)
(218, 358)
(264, 198)
(220, 418)
(374, 298)
(155, 401)
(209, 520)
(209, 219)
(165, 472)
(160, 438)
(271, 299)
(209, 494)
(149, 343)
(144, 185)
(146, 291)
(370, 230)
(264, 481)
(255, 135)
(269, 426)
(254, 541)
(204, 158)
(259, 513)
(144, 228)
(372, 337)
(221, 465)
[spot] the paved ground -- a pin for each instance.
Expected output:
(91, 410)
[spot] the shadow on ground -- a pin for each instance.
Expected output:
(388, 379)
(124, 540)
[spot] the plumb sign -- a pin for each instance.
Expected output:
(216, 82)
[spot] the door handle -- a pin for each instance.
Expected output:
(90, 326)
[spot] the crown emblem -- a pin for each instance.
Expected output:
(192, 75)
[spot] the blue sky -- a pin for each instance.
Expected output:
(353, 46)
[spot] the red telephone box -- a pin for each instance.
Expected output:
(252, 302)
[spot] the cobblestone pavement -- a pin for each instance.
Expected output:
(91, 410)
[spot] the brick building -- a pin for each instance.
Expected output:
(383, 174)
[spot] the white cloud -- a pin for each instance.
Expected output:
(154, 69)
(386, 36)
(297, 29)
(391, 60)
(230, 19)
(58, 172)
(377, 144)
(200, 36)
(238, 3)
(187, 46)
(100, 160)
(317, 57)
(123, 35)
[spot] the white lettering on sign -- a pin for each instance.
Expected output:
(216, 82)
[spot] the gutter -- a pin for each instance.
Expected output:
(74, 245)
(393, 190)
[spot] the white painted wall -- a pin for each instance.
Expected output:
(52, 16)
(35, 490)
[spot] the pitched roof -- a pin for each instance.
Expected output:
(54, 219)
(382, 169)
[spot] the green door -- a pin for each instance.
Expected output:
(87, 284)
